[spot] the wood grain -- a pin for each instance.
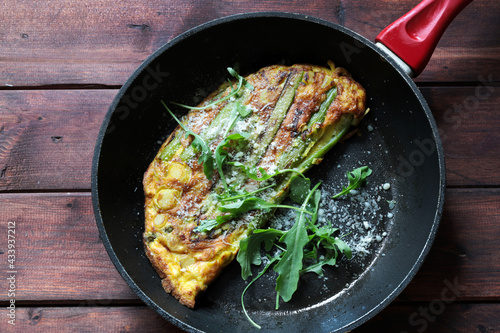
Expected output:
(468, 123)
(47, 137)
(435, 317)
(89, 319)
(59, 253)
(465, 253)
(61, 63)
(60, 256)
(97, 42)
(397, 317)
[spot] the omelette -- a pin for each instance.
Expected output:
(246, 139)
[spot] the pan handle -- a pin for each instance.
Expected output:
(414, 36)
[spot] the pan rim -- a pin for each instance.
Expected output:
(244, 16)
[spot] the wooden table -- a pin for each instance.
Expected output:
(61, 64)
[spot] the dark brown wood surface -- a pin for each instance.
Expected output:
(62, 63)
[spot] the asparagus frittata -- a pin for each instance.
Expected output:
(229, 163)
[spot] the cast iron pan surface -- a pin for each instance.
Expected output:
(403, 149)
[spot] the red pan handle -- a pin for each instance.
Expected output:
(414, 36)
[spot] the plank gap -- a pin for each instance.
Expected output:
(74, 86)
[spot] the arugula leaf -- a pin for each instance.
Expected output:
(240, 207)
(252, 172)
(324, 232)
(356, 179)
(299, 189)
(243, 110)
(239, 78)
(221, 154)
(288, 268)
(324, 237)
(271, 261)
(228, 196)
(313, 205)
(237, 113)
(304, 241)
(311, 254)
(234, 91)
(343, 247)
(249, 252)
(207, 225)
(329, 259)
(290, 264)
(206, 157)
(250, 203)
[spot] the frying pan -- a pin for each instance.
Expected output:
(403, 149)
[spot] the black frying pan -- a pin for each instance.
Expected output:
(403, 149)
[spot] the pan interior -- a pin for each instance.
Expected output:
(397, 140)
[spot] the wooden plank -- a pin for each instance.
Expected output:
(97, 42)
(60, 256)
(469, 128)
(397, 317)
(436, 316)
(88, 319)
(47, 137)
(456, 57)
(465, 254)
